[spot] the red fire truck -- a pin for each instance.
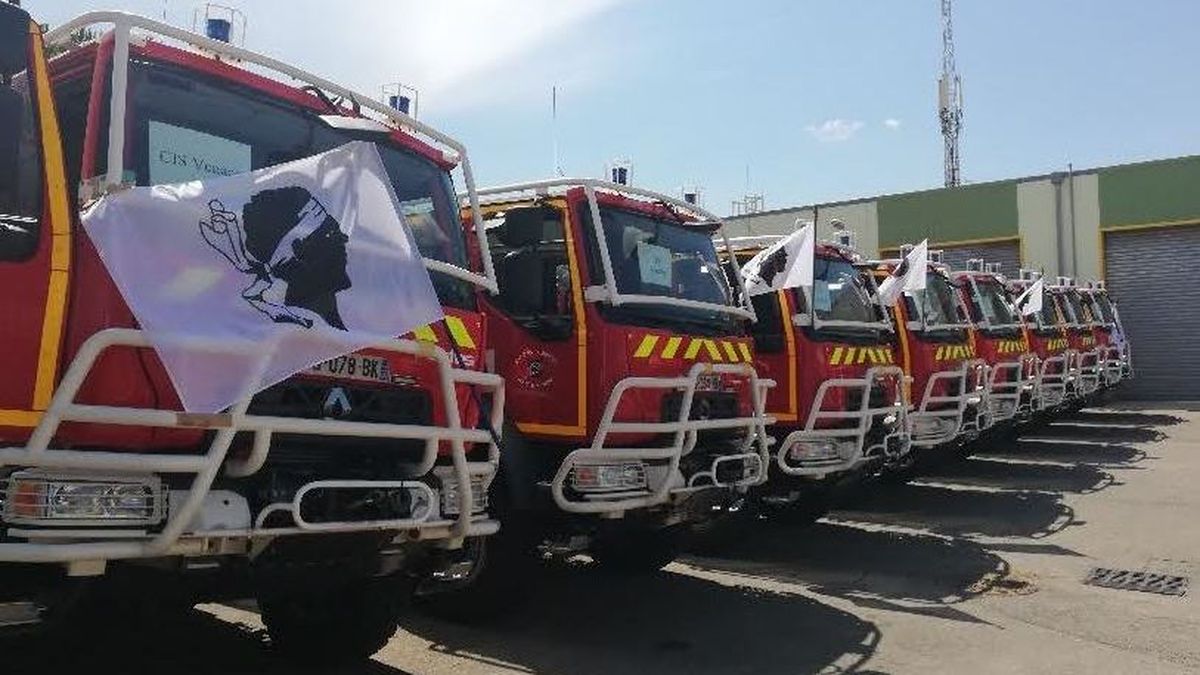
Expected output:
(1000, 339)
(839, 405)
(1055, 383)
(948, 382)
(320, 495)
(1081, 334)
(634, 408)
(1115, 364)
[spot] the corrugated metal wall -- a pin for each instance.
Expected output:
(1152, 274)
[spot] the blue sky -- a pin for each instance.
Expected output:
(821, 99)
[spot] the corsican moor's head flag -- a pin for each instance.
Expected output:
(787, 263)
(242, 281)
(909, 275)
(1030, 302)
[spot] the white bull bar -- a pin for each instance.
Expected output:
(855, 437)
(1088, 369)
(1112, 365)
(753, 451)
(1054, 385)
(932, 427)
(106, 543)
(1008, 382)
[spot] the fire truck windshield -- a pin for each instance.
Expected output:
(994, 303)
(1102, 306)
(841, 293)
(186, 125)
(654, 256)
(1082, 313)
(938, 302)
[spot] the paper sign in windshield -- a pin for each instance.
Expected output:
(179, 154)
(654, 264)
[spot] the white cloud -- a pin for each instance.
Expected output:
(892, 123)
(465, 53)
(834, 130)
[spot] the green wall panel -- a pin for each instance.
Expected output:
(1150, 193)
(984, 211)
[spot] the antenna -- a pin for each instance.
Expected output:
(950, 110)
(554, 128)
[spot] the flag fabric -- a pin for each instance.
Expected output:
(908, 276)
(1030, 302)
(242, 281)
(787, 263)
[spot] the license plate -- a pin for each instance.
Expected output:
(708, 382)
(355, 367)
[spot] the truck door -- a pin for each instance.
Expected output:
(539, 335)
(34, 227)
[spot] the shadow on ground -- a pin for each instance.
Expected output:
(1124, 418)
(960, 512)
(904, 572)
(187, 643)
(1072, 431)
(1005, 474)
(578, 620)
(1113, 455)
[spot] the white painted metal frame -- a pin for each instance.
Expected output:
(1055, 381)
(123, 28)
(609, 292)
(754, 446)
(1008, 383)
(972, 377)
(174, 537)
(864, 416)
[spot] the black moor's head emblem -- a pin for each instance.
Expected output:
(293, 247)
(775, 263)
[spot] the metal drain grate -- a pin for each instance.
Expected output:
(1133, 580)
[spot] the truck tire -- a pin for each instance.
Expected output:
(333, 625)
(636, 552)
(493, 588)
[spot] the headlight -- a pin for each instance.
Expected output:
(609, 477)
(36, 498)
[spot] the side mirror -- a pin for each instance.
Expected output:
(562, 289)
(14, 40)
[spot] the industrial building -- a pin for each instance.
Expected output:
(1135, 225)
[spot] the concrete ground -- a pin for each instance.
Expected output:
(977, 567)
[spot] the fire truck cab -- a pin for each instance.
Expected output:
(634, 405)
(1000, 340)
(322, 496)
(1080, 328)
(1046, 331)
(840, 406)
(947, 380)
(1115, 362)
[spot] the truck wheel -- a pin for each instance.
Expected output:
(640, 552)
(331, 625)
(490, 590)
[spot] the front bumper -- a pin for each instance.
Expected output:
(942, 418)
(742, 467)
(198, 520)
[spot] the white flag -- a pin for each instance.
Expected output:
(909, 275)
(1030, 302)
(787, 263)
(242, 281)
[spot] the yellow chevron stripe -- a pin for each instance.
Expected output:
(671, 347)
(711, 348)
(425, 334)
(745, 350)
(458, 331)
(729, 351)
(836, 356)
(646, 347)
(693, 348)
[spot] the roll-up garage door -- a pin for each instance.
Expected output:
(1007, 253)
(1152, 276)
